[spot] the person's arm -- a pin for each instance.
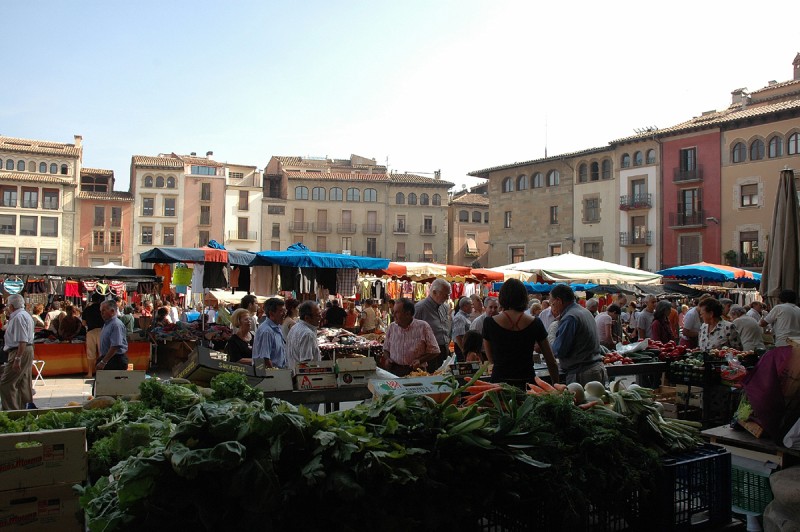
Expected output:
(550, 360)
(565, 335)
(431, 347)
(21, 347)
(608, 332)
(108, 356)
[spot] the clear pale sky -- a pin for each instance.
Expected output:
(453, 85)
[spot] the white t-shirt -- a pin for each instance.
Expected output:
(753, 313)
(603, 321)
(785, 321)
(691, 321)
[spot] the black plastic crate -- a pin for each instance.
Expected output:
(695, 489)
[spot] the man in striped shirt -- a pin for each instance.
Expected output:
(409, 342)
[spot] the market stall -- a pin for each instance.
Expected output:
(704, 271)
(69, 358)
(576, 268)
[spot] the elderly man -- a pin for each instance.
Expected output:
(301, 344)
(490, 308)
(605, 326)
(576, 345)
(546, 315)
(435, 311)
(755, 312)
(645, 320)
(269, 343)
(113, 339)
(784, 318)
(461, 323)
(409, 342)
(15, 383)
(592, 305)
(748, 329)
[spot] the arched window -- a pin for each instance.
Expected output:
(53, 168)
(20, 166)
(148, 181)
(793, 144)
(651, 156)
(625, 162)
(508, 185)
(522, 182)
(486, 217)
(301, 193)
(739, 152)
(336, 194)
(170, 182)
(775, 147)
(400, 199)
(537, 181)
(595, 173)
(583, 174)
(318, 194)
(31, 166)
(637, 158)
(42, 168)
(437, 199)
(463, 216)
(757, 150)
(424, 199)
(412, 199)
(476, 217)
(553, 178)
(64, 169)
(606, 169)
(370, 195)
(9, 164)
(160, 181)
(353, 194)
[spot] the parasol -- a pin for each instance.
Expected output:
(782, 262)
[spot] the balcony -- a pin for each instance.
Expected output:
(399, 258)
(346, 229)
(687, 220)
(635, 201)
(248, 181)
(298, 227)
(372, 229)
(681, 175)
(30, 204)
(373, 254)
(636, 239)
(242, 235)
(400, 229)
(321, 227)
(8, 203)
(754, 259)
(427, 230)
(428, 257)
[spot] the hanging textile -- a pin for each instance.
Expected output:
(90, 286)
(145, 287)
(35, 286)
(234, 282)
(71, 289)
(117, 286)
(288, 279)
(197, 278)
(13, 286)
(182, 275)
(101, 288)
(346, 279)
(327, 278)
(213, 276)
(244, 279)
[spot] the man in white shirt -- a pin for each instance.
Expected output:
(15, 383)
(546, 315)
(490, 308)
(605, 326)
(784, 318)
(646, 316)
(301, 344)
(748, 329)
(691, 325)
(756, 307)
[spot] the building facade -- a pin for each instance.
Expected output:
(595, 220)
(468, 216)
(243, 208)
(105, 221)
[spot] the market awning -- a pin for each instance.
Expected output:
(472, 246)
(711, 272)
(299, 256)
(226, 297)
(543, 288)
(423, 270)
(204, 254)
(577, 268)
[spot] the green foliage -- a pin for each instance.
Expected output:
(230, 385)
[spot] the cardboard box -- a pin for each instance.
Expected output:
(204, 364)
(434, 387)
(314, 381)
(57, 456)
(355, 378)
(118, 382)
(465, 369)
(276, 380)
(350, 365)
(53, 507)
(315, 367)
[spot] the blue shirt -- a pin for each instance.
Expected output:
(270, 343)
(113, 335)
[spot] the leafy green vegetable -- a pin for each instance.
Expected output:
(230, 385)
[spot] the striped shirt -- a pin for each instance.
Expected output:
(19, 329)
(409, 344)
(301, 344)
(270, 343)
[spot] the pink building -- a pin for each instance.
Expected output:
(105, 221)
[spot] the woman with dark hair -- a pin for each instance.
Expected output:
(661, 330)
(716, 332)
(291, 316)
(473, 347)
(509, 338)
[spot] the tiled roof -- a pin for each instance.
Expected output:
(320, 162)
(145, 161)
(35, 178)
(39, 146)
(777, 86)
(97, 171)
(485, 172)
(418, 180)
(113, 196)
(471, 199)
(380, 178)
(201, 161)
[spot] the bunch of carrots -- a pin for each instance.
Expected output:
(478, 389)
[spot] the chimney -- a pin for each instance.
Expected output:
(210, 154)
(796, 64)
(78, 141)
(740, 96)
(193, 154)
(772, 82)
(437, 174)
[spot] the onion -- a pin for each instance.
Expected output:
(576, 389)
(595, 388)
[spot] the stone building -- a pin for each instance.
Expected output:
(468, 216)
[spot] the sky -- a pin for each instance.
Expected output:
(455, 86)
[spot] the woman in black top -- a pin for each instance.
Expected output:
(240, 345)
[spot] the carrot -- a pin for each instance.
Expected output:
(543, 385)
(536, 389)
(560, 387)
(484, 388)
(472, 399)
(587, 406)
(481, 383)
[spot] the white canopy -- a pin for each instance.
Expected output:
(579, 269)
(513, 274)
(226, 297)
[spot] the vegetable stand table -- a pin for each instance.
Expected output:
(742, 443)
(652, 369)
(67, 358)
(331, 397)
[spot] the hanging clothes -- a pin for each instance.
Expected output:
(234, 282)
(117, 287)
(197, 278)
(288, 278)
(36, 286)
(13, 286)
(244, 279)
(90, 286)
(71, 289)
(328, 279)
(145, 287)
(346, 279)
(213, 275)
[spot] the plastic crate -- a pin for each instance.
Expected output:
(695, 489)
(751, 491)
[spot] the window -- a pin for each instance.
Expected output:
(552, 178)
(793, 144)
(116, 216)
(243, 225)
(21, 168)
(48, 226)
(757, 150)
(689, 205)
(148, 181)
(637, 158)
(244, 199)
(463, 216)
(522, 182)
(236, 175)
(336, 194)
(28, 225)
(689, 249)
(99, 216)
(595, 172)
(170, 182)
(427, 226)
(205, 214)
(591, 210)
(47, 257)
(353, 194)
(748, 248)
(347, 243)
(688, 160)
(738, 153)
(486, 217)
(537, 181)
(169, 206)
(276, 209)
(115, 240)
(638, 261)
(554, 249)
(53, 168)
(775, 147)
(30, 198)
(591, 250)
(275, 190)
(203, 238)
(553, 214)
(370, 195)
(625, 162)
(9, 164)
(147, 235)
(424, 199)
(64, 169)
(583, 174)
(412, 199)
(50, 199)
(9, 196)
(401, 223)
(98, 239)
(399, 199)
(8, 224)
(160, 181)
(318, 194)
(400, 251)
(372, 247)
(508, 185)
(476, 217)
(651, 156)
(203, 170)
(169, 236)
(42, 168)
(276, 230)
(205, 191)
(7, 255)
(322, 244)
(507, 220)
(606, 169)
(147, 206)
(301, 193)
(639, 225)
(517, 254)
(749, 195)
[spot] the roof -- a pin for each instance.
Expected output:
(146, 161)
(418, 180)
(471, 199)
(485, 172)
(107, 196)
(97, 171)
(380, 178)
(39, 146)
(294, 160)
(200, 161)
(35, 178)
(777, 86)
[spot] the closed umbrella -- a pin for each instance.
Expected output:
(782, 262)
